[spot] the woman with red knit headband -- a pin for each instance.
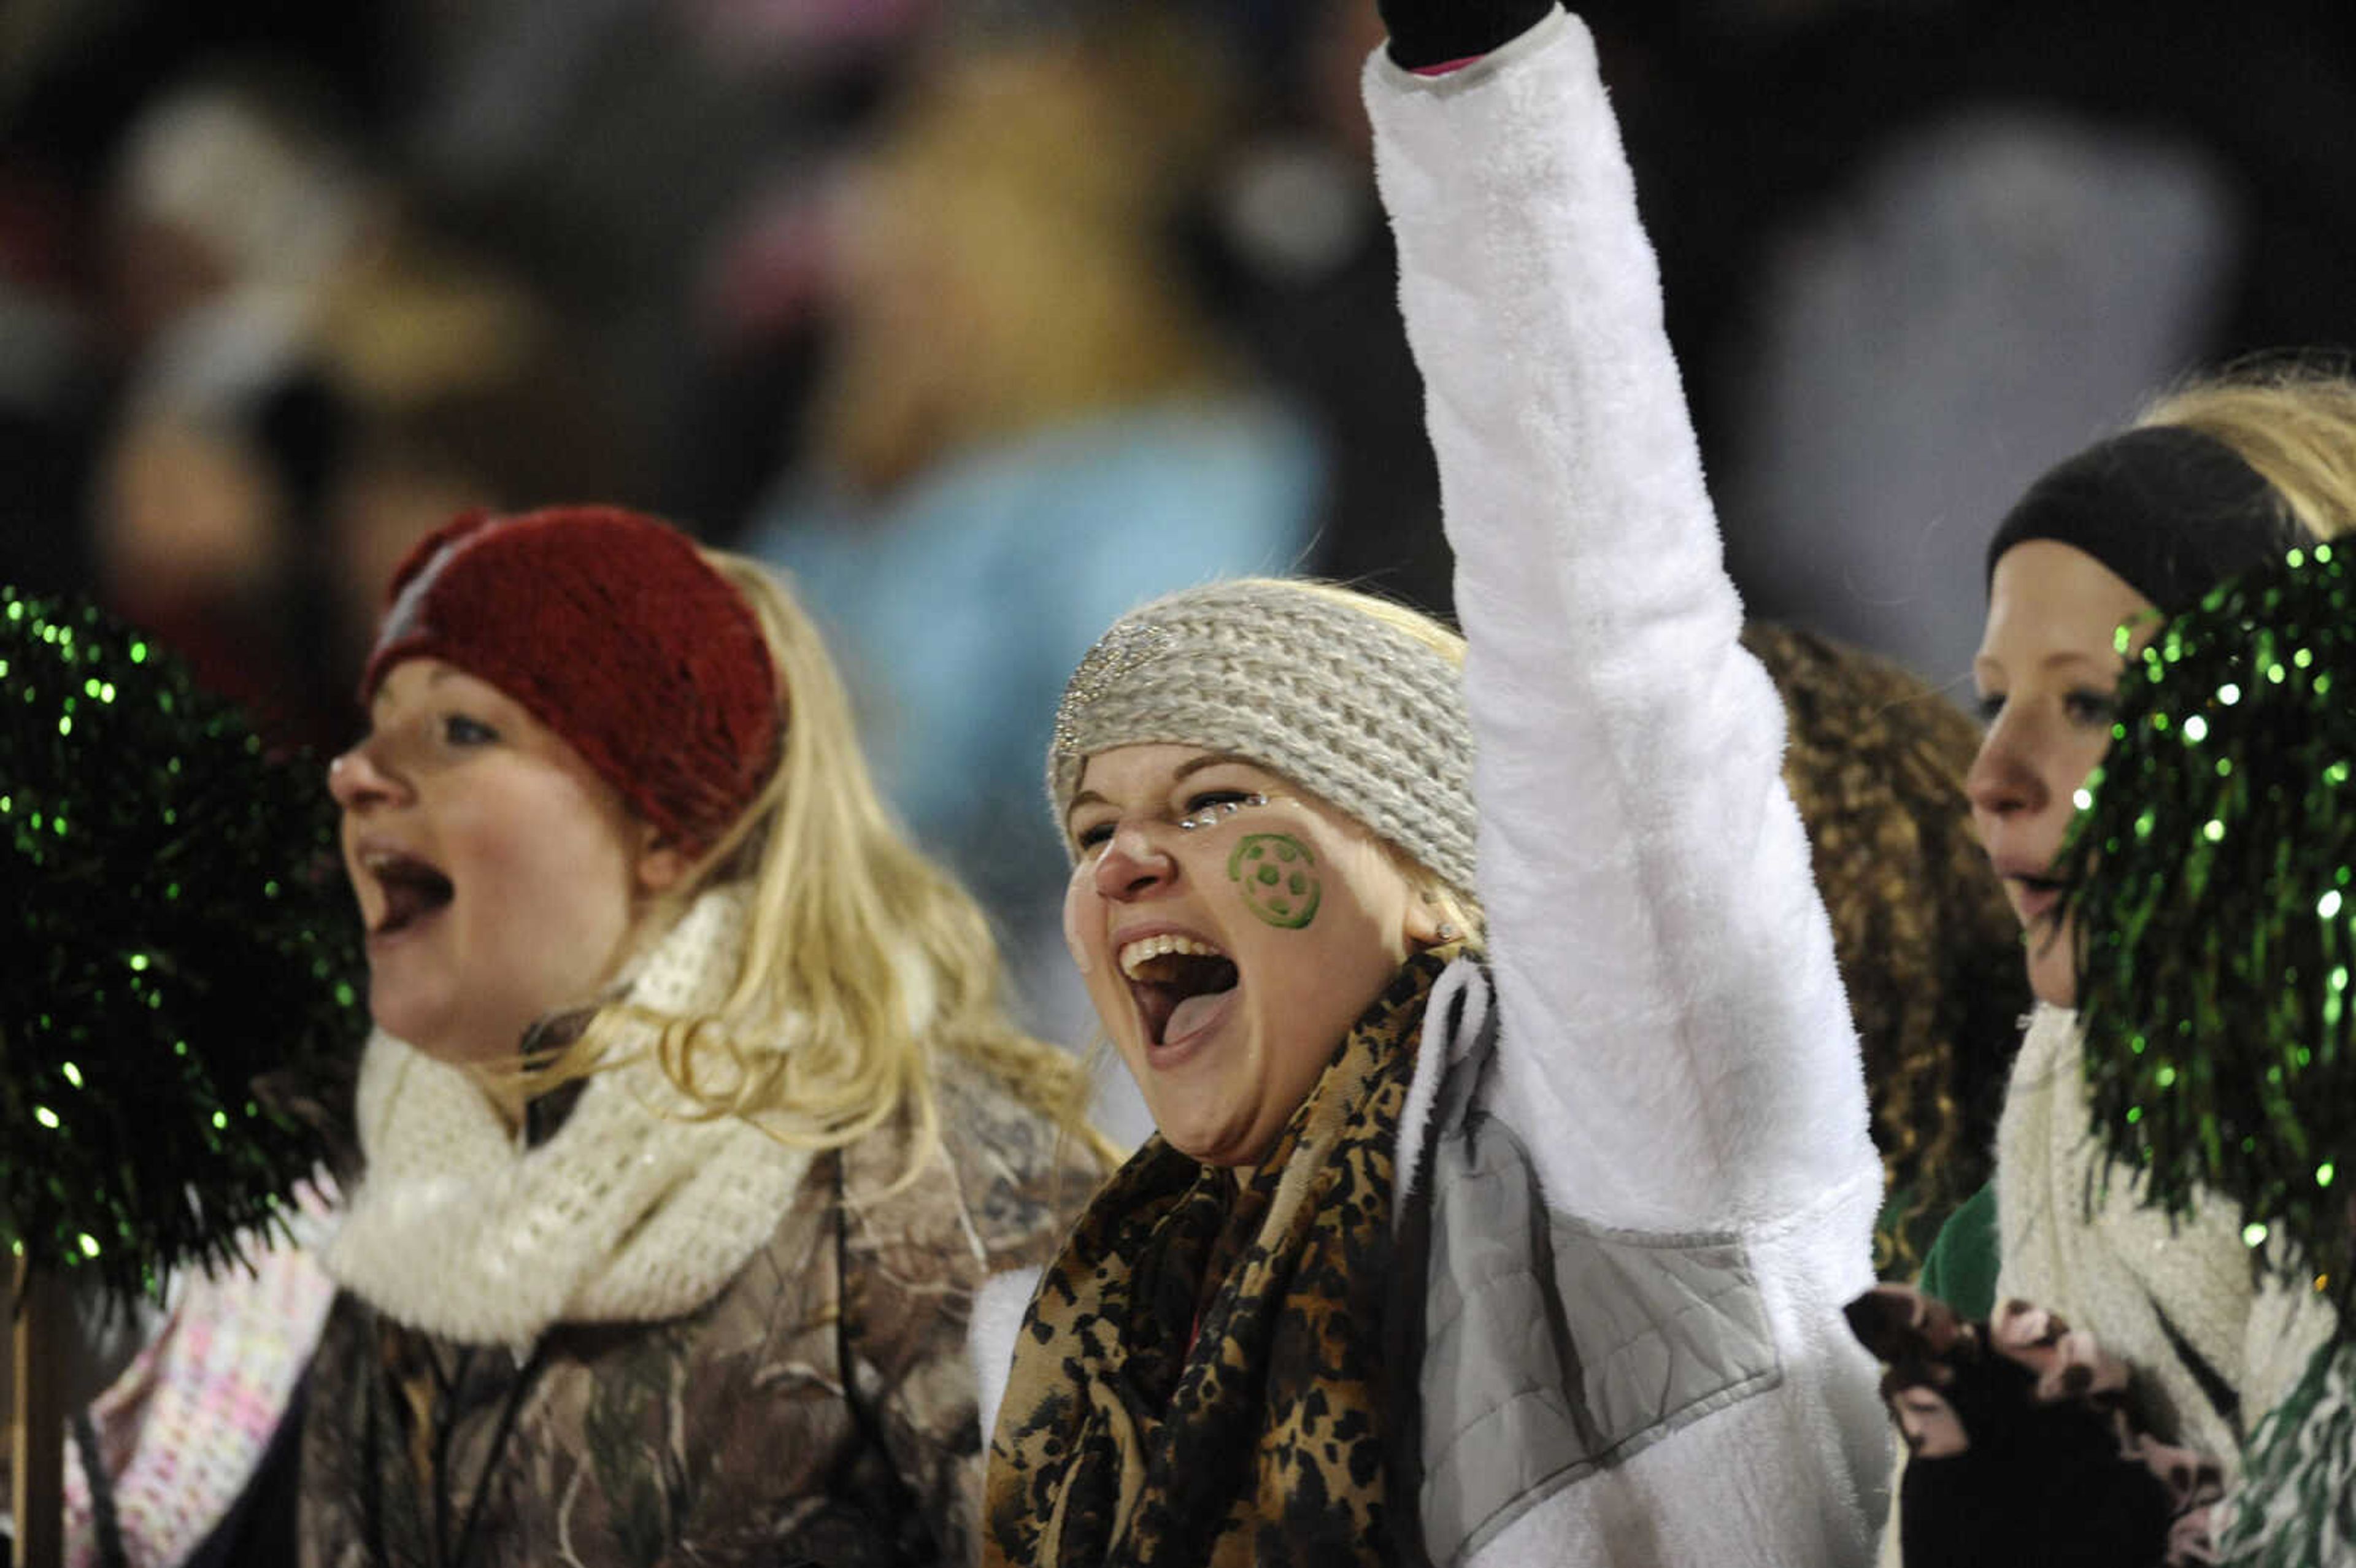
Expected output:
(690, 1120)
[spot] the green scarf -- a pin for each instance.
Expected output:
(1198, 1379)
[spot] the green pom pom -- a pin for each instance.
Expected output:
(2213, 886)
(2295, 1506)
(180, 930)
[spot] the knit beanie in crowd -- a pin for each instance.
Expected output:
(613, 630)
(1357, 710)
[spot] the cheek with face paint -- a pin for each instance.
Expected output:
(1277, 876)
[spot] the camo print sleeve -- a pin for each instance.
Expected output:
(913, 1259)
(820, 1409)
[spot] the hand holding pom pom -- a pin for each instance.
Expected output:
(2024, 1446)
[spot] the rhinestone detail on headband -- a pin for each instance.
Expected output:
(1118, 654)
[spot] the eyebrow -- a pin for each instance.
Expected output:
(2062, 656)
(1185, 770)
(2070, 656)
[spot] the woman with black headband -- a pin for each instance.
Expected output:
(2213, 480)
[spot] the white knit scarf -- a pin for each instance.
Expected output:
(633, 1211)
(2117, 1268)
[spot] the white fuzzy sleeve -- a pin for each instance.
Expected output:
(991, 1336)
(1671, 1012)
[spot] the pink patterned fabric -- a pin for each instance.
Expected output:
(182, 1429)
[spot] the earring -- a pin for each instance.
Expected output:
(1447, 932)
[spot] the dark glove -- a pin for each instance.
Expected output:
(1434, 32)
(2023, 1449)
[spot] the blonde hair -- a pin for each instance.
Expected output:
(1014, 268)
(859, 951)
(2293, 420)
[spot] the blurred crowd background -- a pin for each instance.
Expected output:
(986, 318)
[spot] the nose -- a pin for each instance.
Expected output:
(2002, 782)
(1133, 864)
(360, 777)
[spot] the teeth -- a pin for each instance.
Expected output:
(1136, 955)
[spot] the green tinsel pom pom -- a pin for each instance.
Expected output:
(2296, 1507)
(179, 931)
(2212, 873)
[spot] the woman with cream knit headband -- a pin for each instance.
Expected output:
(690, 1121)
(1513, 1160)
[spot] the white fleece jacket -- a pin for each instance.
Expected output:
(1675, 1047)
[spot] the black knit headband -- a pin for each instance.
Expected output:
(2173, 512)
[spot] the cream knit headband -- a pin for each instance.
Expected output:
(1355, 710)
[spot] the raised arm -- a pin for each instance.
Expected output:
(1665, 969)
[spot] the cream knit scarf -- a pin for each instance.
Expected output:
(633, 1211)
(2142, 1283)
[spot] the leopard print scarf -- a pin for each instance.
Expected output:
(1198, 1379)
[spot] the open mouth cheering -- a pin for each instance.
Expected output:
(1180, 984)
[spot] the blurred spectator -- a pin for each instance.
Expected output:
(1026, 425)
(236, 216)
(2015, 277)
(603, 146)
(467, 391)
(1914, 251)
(1319, 290)
(1907, 246)
(50, 383)
(313, 381)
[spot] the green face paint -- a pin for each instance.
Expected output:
(1278, 878)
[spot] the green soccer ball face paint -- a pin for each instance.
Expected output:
(1277, 875)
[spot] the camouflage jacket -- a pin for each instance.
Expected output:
(819, 1409)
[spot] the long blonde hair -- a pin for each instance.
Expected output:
(860, 952)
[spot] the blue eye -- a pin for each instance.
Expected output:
(2090, 707)
(459, 730)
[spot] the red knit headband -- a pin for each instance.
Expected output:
(616, 633)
